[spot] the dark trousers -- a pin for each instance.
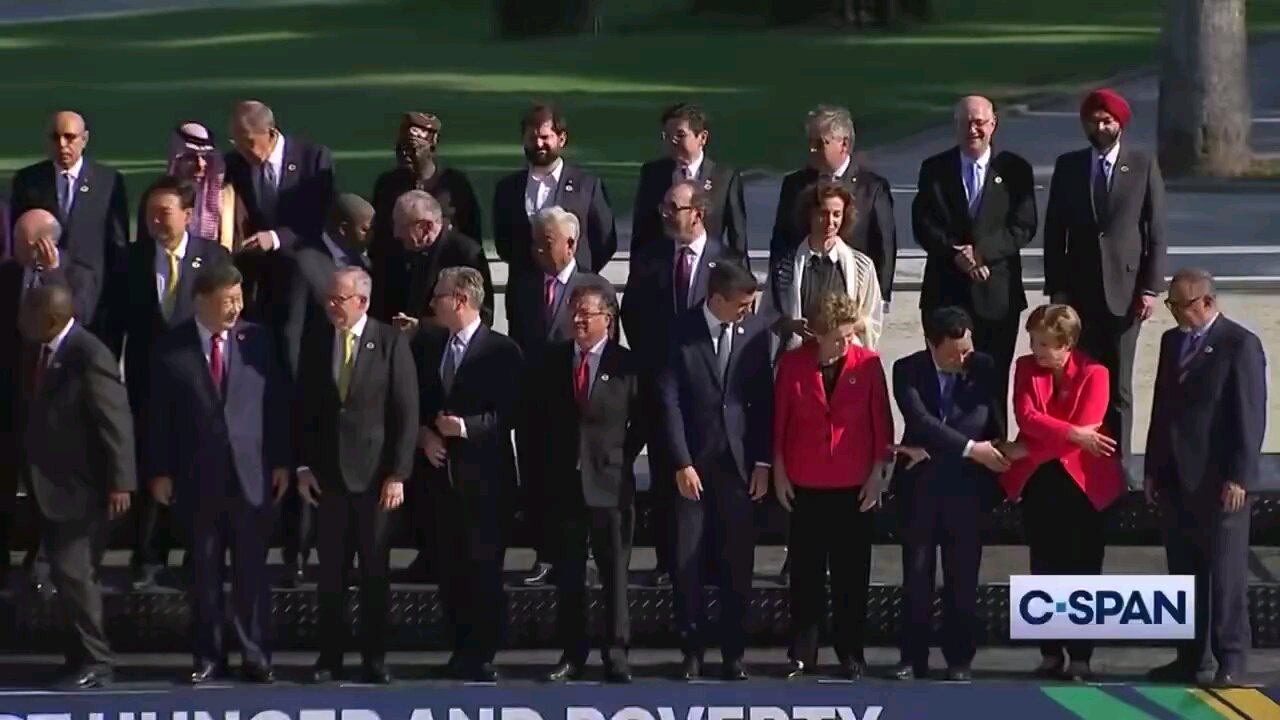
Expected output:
(607, 530)
(662, 488)
(1065, 535)
(1113, 341)
(468, 522)
(828, 531)
(999, 338)
(299, 527)
(72, 550)
(1213, 545)
(931, 519)
(418, 501)
(9, 477)
(219, 523)
(724, 511)
(151, 523)
(353, 525)
(533, 496)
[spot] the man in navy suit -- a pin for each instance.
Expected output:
(287, 185)
(666, 279)
(948, 397)
(1204, 446)
(717, 398)
(219, 448)
(162, 270)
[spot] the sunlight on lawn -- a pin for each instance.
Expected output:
(222, 40)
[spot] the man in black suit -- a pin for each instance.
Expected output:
(947, 396)
(550, 180)
(1104, 245)
(88, 199)
(404, 283)
(685, 129)
(666, 279)
(287, 185)
(1204, 447)
(79, 464)
(974, 211)
(717, 398)
(356, 432)
(418, 168)
(468, 381)
(830, 131)
(539, 313)
(219, 446)
(162, 272)
(589, 391)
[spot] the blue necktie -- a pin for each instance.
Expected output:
(973, 187)
(946, 386)
(1190, 347)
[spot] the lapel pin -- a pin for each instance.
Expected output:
(997, 180)
(240, 337)
(1208, 349)
(84, 188)
(368, 346)
(711, 265)
(292, 167)
(852, 379)
(707, 185)
(196, 263)
(1124, 168)
(604, 377)
(740, 330)
(568, 186)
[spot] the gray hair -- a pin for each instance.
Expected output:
(257, 116)
(416, 206)
(830, 121)
(1196, 277)
(559, 217)
(466, 281)
(359, 278)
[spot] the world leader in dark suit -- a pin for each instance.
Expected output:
(78, 458)
(685, 131)
(974, 211)
(161, 271)
(219, 447)
(549, 180)
(468, 384)
(357, 425)
(1104, 245)
(717, 397)
(89, 201)
(588, 389)
(1204, 448)
(873, 233)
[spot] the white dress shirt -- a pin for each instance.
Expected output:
(562, 282)
(713, 327)
(697, 247)
(339, 340)
(57, 341)
(206, 335)
(844, 168)
(162, 265)
(967, 165)
(72, 186)
(593, 361)
(276, 161)
(693, 167)
(540, 190)
(1111, 156)
(457, 346)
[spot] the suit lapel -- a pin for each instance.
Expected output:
(1085, 167)
(562, 305)
(567, 189)
(288, 166)
(1203, 355)
(191, 263)
(200, 366)
(53, 375)
(83, 186)
(367, 345)
(953, 188)
(234, 360)
(605, 371)
(470, 352)
(706, 174)
(702, 273)
(706, 347)
(1121, 182)
(929, 390)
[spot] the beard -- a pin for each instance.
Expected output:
(1103, 140)
(541, 158)
(414, 154)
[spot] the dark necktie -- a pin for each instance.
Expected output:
(1190, 348)
(684, 277)
(1100, 190)
(581, 379)
(37, 370)
(215, 361)
(723, 349)
(267, 188)
(946, 391)
(450, 363)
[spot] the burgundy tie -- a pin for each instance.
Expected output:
(37, 370)
(215, 361)
(684, 267)
(580, 379)
(549, 296)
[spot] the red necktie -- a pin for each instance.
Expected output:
(37, 370)
(580, 378)
(549, 296)
(215, 361)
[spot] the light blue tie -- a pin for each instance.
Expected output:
(973, 186)
(64, 202)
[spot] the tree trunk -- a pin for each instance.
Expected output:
(1205, 112)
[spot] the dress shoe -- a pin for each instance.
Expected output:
(733, 671)
(853, 669)
(691, 667)
(1049, 668)
(660, 579)
(798, 669)
(86, 679)
(565, 672)
(323, 674)
(959, 673)
(207, 672)
(1175, 672)
(291, 575)
(375, 673)
(617, 674)
(1226, 678)
(482, 673)
(1079, 671)
(540, 576)
(904, 671)
(146, 578)
(257, 674)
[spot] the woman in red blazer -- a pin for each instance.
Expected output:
(832, 429)
(1065, 470)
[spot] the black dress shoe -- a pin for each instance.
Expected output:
(1175, 672)
(617, 674)
(906, 671)
(959, 673)
(86, 679)
(798, 669)
(853, 669)
(321, 674)
(258, 674)
(291, 576)
(691, 667)
(733, 671)
(207, 672)
(565, 672)
(1049, 668)
(660, 579)
(540, 576)
(1225, 679)
(1080, 671)
(482, 673)
(375, 673)
(146, 578)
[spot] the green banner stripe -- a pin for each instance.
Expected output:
(1092, 703)
(1180, 701)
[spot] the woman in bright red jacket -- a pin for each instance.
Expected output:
(832, 429)
(1065, 469)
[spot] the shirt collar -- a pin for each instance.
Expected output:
(357, 329)
(694, 166)
(563, 276)
(75, 169)
(337, 252)
(844, 167)
(697, 246)
(276, 158)
(1111, 155)
(465, 334)
(713, 322)
(1201, 332)
(181, 250)
(553, 174)
(206, 335)
(595, 350)
(58, 339)
(981, 161)
(831, 254)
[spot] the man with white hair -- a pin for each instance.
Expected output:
(831, 136)
(404, 282)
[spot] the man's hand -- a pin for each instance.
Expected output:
(46, 253)
(117, 504)
(1149, 489)
(793, 326)
(966, 258)
(1092, 441)
(308, 486)
(1233, 495)
(914, 455)
(392, 493)
(1145, 307)
(449, 425)
(279, 483)
(688, 483)
(258, 242)
(759, 483)
(162, 489)
(783, 490)
(1015, 451)
(432, 446)
(980, 273)
(404, 322)
(985, 454)
(868, 496)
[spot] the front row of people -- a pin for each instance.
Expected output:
(380, 408)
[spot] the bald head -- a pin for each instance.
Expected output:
(350, 219)
(45, 311)
(68, 136)
(33, 230)
(975, 122)
(253, 130)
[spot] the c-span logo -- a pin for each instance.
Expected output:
(1102, 607)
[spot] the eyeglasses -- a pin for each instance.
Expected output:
(336, 300)
(1182, 304)
(587, 315)
(670, 210)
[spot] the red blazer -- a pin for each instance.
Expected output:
(830, 442)
(1044, 420)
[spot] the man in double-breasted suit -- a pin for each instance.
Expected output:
(162, 270)
(550, 180)
(89, 201)
(469, 384)
(77, 455)
(974, 211)
(357, 425)
(1204, 448)
(717, 398)
(219, 447)
(1104, 245)
(685, 130)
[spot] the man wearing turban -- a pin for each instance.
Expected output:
(1104, 244)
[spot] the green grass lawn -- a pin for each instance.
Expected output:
(341, 74)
